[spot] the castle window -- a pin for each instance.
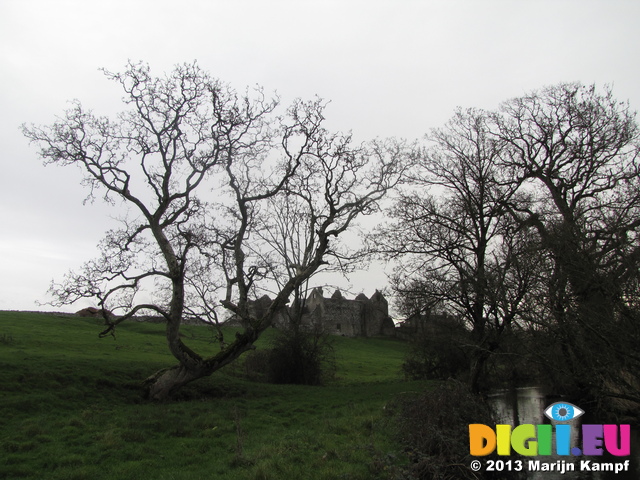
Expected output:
(338, 327)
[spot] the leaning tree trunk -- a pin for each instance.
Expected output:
(163, 384)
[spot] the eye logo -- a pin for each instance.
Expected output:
(563, 412)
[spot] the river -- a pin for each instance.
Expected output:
(526, 406)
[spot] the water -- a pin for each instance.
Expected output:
(527, 405)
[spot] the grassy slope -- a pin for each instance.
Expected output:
(70, 408)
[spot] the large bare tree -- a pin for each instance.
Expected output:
(199, 168)
(458, 250)
(574, 154)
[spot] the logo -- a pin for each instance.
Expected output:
(563, 412)
(550, 439)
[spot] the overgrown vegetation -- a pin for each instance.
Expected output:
(434, 427)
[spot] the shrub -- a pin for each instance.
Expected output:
(434, 428)
(304, 358)
(295, 357)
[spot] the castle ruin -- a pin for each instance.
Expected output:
(336, 315)
(360, 317)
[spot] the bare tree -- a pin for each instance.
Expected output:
(574, 153)
(328, 192)
(197, 165)
(459, 250)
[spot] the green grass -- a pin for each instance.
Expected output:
(71, 408)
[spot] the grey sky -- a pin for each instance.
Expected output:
(390, 68)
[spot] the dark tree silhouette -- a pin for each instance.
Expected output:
(459, 250)
(574, 153)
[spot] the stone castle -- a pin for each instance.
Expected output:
(336, 315)
(360, 317)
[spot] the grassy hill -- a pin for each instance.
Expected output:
(71, 408)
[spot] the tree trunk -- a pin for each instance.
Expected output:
(478, 362)
(163, 384)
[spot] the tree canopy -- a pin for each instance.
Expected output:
(526, 218)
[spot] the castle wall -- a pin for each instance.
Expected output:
(376, 313)
(343, 317)
(360, 317)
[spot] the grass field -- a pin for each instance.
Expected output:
(71, 408)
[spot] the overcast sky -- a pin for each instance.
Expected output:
(390, 68)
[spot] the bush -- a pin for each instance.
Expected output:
(301, 358)
(434, 428)
(295, 357)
